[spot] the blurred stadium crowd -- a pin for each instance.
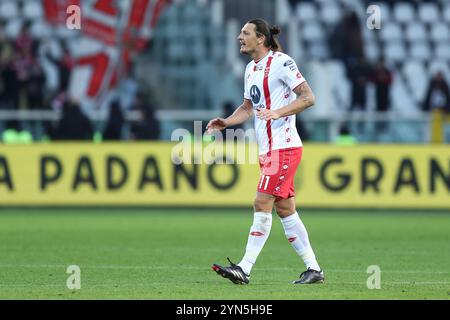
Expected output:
(386, 85)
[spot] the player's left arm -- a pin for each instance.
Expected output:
(305, 99)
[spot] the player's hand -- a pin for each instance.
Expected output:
(267, 115)
(216, 124)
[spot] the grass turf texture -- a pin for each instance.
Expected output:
(167, 254)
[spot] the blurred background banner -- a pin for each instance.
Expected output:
(144, 174)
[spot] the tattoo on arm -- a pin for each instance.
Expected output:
(305, 94)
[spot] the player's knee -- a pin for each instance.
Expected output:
(259, 206)
(262, 204)
(283, 210)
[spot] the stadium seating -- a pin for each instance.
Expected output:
(414, 39)
(386, 13)
(417, 84)
(9, 9)
(416, 32)
(372, 50)
(443, 51)
(420, 51)
(404, 12)
(440, 32)
(428, 12)
(32, 10)
(394, 52)
(39, 29)
(446, 13)
(13, 27)
(439, 65)
(313, 31)
(391, 31)
(331, 14)
(307, 12)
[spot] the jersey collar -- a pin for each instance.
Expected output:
(268, 54)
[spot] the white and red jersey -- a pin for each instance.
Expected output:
(269, 83)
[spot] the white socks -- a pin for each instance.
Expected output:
(298, 237)
(295, 233)
(259, 232)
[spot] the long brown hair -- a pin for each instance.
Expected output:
(263, 28)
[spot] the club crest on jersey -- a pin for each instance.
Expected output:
(255, 93)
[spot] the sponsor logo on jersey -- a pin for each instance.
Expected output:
(255, 93)
(257, 68)
(290, 64)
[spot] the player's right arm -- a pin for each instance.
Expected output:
(242, 114)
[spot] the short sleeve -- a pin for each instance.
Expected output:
(290, 74)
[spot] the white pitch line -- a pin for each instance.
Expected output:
(186, 267)
(153, 284)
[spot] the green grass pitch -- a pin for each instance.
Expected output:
(167, 254)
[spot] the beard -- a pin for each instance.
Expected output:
(245, 51)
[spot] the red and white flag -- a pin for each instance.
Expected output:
(112, 31)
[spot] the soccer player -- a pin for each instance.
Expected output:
(275, 91)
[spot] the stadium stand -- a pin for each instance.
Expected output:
(194, 50)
